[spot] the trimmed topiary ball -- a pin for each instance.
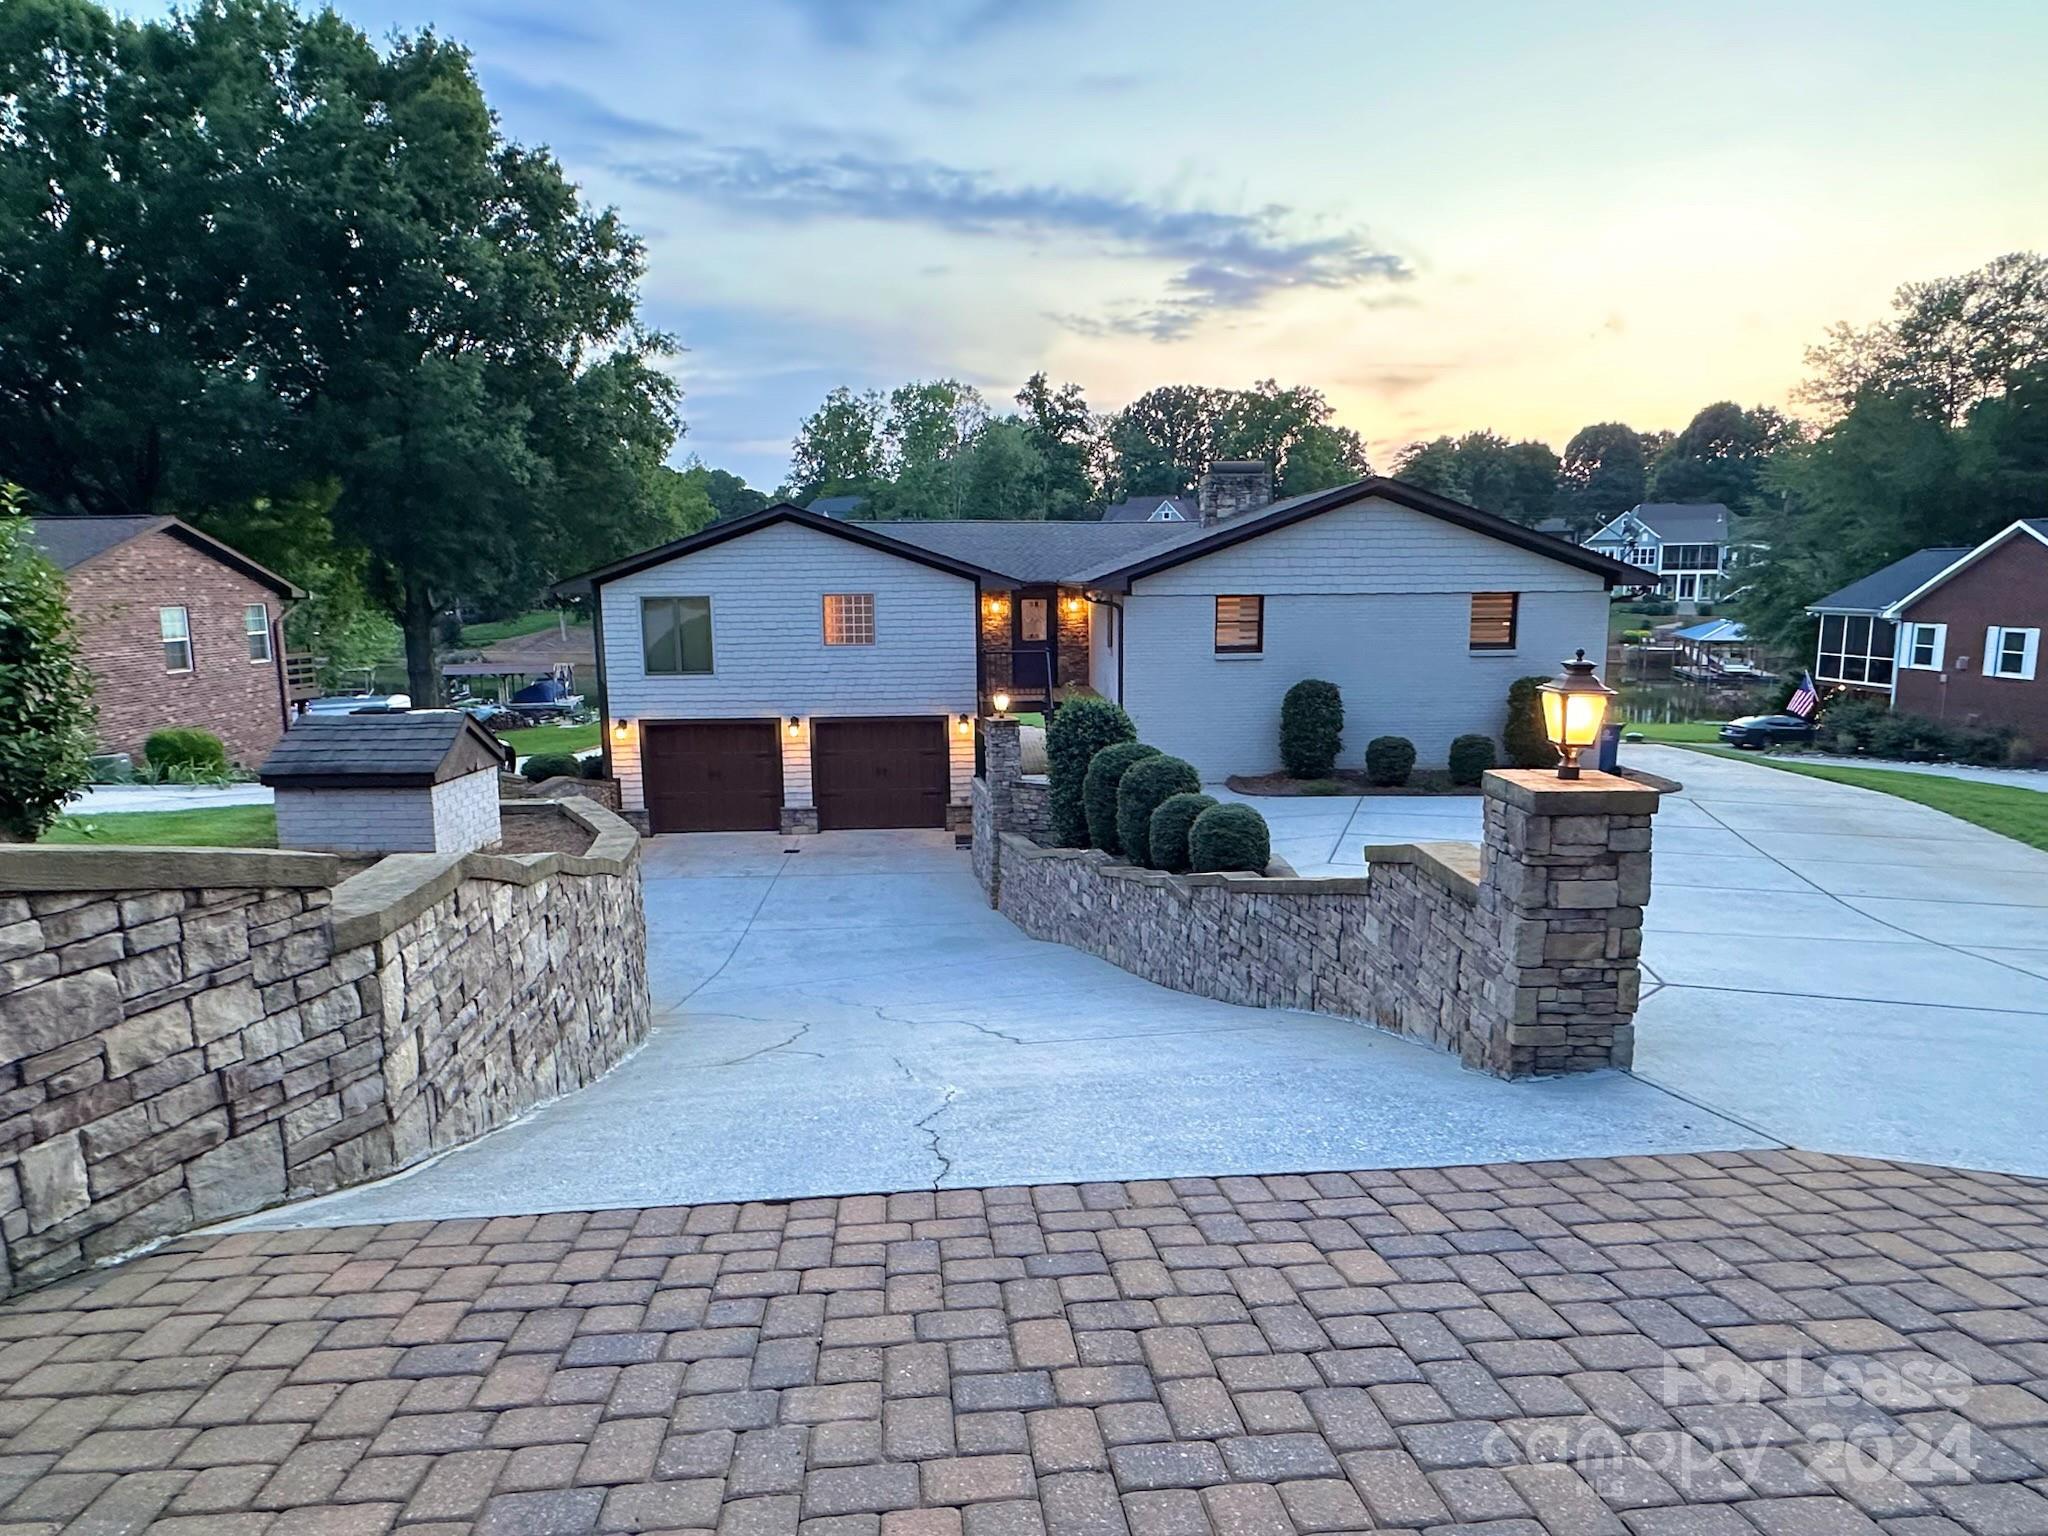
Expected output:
(550, 765)
(1078, 730)
(1144, 788)
(1471, 756)
(1167, 837)
(1229, 839)
(1311, 728)
(1389, 760)
(1098, 790)
(1524, 738)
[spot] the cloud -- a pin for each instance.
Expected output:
(1227, 262)
(566, 112)
(550, 28)
(940, 23)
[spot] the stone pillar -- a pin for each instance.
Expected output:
(1564, 872)
(994, 798)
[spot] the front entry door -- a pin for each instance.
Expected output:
(1036, 646)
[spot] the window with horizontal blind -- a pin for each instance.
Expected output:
(1493, 620)
(849, 618)
(675, 633)
(1240, 626)
(256, 624)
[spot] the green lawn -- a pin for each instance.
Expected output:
(225, 826)
(525, 624)
(2020, 814)
(1679, 731)
(530, 739)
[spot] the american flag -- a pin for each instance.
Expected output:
(1805, 700)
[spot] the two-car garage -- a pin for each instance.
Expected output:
(728, 775)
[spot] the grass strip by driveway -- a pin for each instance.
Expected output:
(531, 623)
(1676, 732)
(220, 826)
(529, 739)
(2020, 814)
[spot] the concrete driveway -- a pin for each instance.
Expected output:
(852, 1017)
(1839, 969)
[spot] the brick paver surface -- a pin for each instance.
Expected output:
(1726, 1345)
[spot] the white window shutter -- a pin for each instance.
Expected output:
(1940, 645)
(2032, 654)
(1993, 642)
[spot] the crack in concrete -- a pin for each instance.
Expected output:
(766, 1049)
(938, 1150)
(885, 1016)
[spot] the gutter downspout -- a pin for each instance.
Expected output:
(604, 703)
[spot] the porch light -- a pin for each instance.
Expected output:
(1574, 709)
(1001, 702)
(1070, 604)
(966, 725)
(622, 731)
(796, 724)
(998, 605)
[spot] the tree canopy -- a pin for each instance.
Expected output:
(1518, 481)
(250, 261)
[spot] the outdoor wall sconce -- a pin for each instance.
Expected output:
(966, 725)
(1574, 709)
(998, 605)
(622, 731)
(1070, 604)
(796, 724)
(1001, 702)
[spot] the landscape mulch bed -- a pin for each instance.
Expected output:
(1347, 781)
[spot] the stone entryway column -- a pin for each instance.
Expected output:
(1565, 868)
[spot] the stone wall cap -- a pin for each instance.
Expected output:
(1541, 792)
(1454, 866)
(61, 867)
(1278, 880)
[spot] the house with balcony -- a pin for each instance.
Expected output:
(786, 671)
(1683, 548)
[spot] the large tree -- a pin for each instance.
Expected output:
(245, 252)
(46, 713)
(838, 449)
(1603, 472)
(1517, 481)
(1950, 343)
(1720, 455)
(1069, 442)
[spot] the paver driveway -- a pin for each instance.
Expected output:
(1837, 968)
(853, 1017)
(1727, 1345)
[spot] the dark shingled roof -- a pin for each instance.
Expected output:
(1880, 589)
(1139, 509)
(68, 542)
(423, 747)
(1685, 522)
(1033, 553)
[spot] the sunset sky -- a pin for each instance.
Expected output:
(1446, 216)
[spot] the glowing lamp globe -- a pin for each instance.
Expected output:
(1574, 709)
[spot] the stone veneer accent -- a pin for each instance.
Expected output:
(1521, 954)
(188, 1035)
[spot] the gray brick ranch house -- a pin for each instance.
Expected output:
(788, 671)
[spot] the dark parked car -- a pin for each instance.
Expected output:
(1766, 730)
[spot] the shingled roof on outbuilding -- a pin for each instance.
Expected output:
(424, 747)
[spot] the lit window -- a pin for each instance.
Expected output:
(175, 625)
(1493, 620)
(1240, 626)
(256, 620)
(849, 618)
(2012, 652)
(1926, 646)
(676, 635)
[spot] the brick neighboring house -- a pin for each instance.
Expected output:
(1951, 634)
(176, 628)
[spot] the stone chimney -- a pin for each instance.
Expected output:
(1233, 486)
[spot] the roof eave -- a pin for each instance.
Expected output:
(1967, 559)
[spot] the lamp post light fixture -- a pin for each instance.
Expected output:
(1001, 701)
(1574, 709)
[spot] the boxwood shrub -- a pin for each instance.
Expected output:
(551, 765)
(593, 766)
(1528, 746)
(1078, 730)
(1228, 838)
(1471, 756)
(1167, 837)
(1098, 790)
(185, 746)
(1144, 788)
(1311, 728)
(1389, 760)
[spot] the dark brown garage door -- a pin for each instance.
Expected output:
(879, 773)
(712, 775)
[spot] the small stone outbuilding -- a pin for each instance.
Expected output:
(421, 782)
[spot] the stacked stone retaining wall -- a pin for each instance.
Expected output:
(1521, 954)
(190, 1035)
